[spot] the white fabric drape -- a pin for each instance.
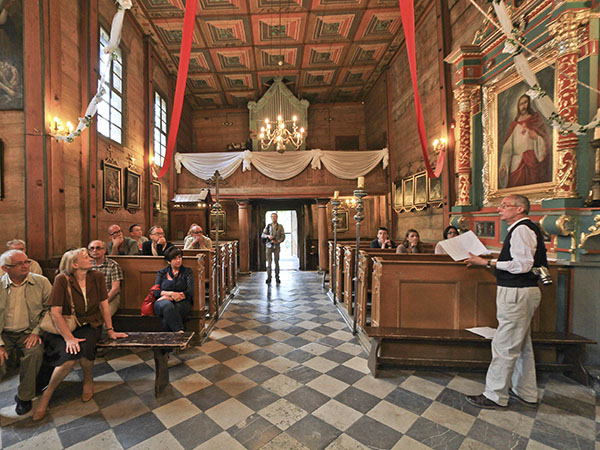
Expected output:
(347, 165)
(225, 162)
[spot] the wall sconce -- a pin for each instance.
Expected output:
(438, 144)
(59, 129)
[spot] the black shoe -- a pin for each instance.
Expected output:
(268, 281)
(277, 280)
(23, 407)
(514, 395)
(481, 401)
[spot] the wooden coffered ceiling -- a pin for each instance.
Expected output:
(331, 50)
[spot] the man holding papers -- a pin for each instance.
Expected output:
(512, 370)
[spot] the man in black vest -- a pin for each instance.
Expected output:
(512, 370)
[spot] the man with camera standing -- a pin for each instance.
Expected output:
(512, 370)
(273, 235)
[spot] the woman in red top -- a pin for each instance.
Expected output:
(88, 292)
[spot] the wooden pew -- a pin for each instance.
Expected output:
(365, 269)
(210, 277)
(420, 310)
(139, 276)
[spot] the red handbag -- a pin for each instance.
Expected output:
(148, 302)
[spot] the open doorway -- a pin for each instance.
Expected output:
(288, 254)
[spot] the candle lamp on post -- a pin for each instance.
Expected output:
(359, 193)
(335, 219)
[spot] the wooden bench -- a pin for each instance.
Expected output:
(418, 347)
(365, 270)
(438, 300)
(160, 343)
(139, 275)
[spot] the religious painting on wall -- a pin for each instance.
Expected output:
(398, 194)
(111, 185)
(133, 188)
(407, 192)
(217, 222)
(521, 141)
(434, 190)
(156, 195)
(11, 55)
(420, 197)
(343, 221)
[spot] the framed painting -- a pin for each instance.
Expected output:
(11, 49)
(407, 192)
(217, 222)
(343, 220)
(420, 183)
(156, 195)
(398, 194)
(521, 145)
(434, 190)
(112, 192)
(133, 189)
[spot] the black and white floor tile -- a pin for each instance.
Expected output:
(282, 371)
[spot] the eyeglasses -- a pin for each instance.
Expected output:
(196, 232)
(504, 206)
(20, 264)
(114, 233)
(95, 248)
(159, 233)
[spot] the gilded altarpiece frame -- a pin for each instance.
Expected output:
(500, 109)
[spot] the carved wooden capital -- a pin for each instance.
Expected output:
(566, 29)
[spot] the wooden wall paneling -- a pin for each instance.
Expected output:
(35, 130)
(13, 206)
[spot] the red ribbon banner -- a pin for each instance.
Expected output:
(189, 21)
(407, 11)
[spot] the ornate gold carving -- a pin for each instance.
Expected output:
(594, 231)
(566, 174)
(464, 189)
(567, 225)
(566, 29)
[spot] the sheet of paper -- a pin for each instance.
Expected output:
(485, 332)
(459, 247)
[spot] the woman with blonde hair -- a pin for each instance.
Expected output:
(85, 289)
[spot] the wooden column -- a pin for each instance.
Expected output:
(35, 130)
(323, 226)
(244, 246)
(565, 29)
(149, 131)
(463, 163)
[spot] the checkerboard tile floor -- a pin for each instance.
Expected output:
(282, 371)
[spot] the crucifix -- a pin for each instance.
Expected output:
(216, 180)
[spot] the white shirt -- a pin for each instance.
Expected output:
(523, 243)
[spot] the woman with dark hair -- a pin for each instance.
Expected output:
(449, 232)
(85, 289)
(175, 297)
(411, 243)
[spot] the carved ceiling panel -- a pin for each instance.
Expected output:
(326, 50)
